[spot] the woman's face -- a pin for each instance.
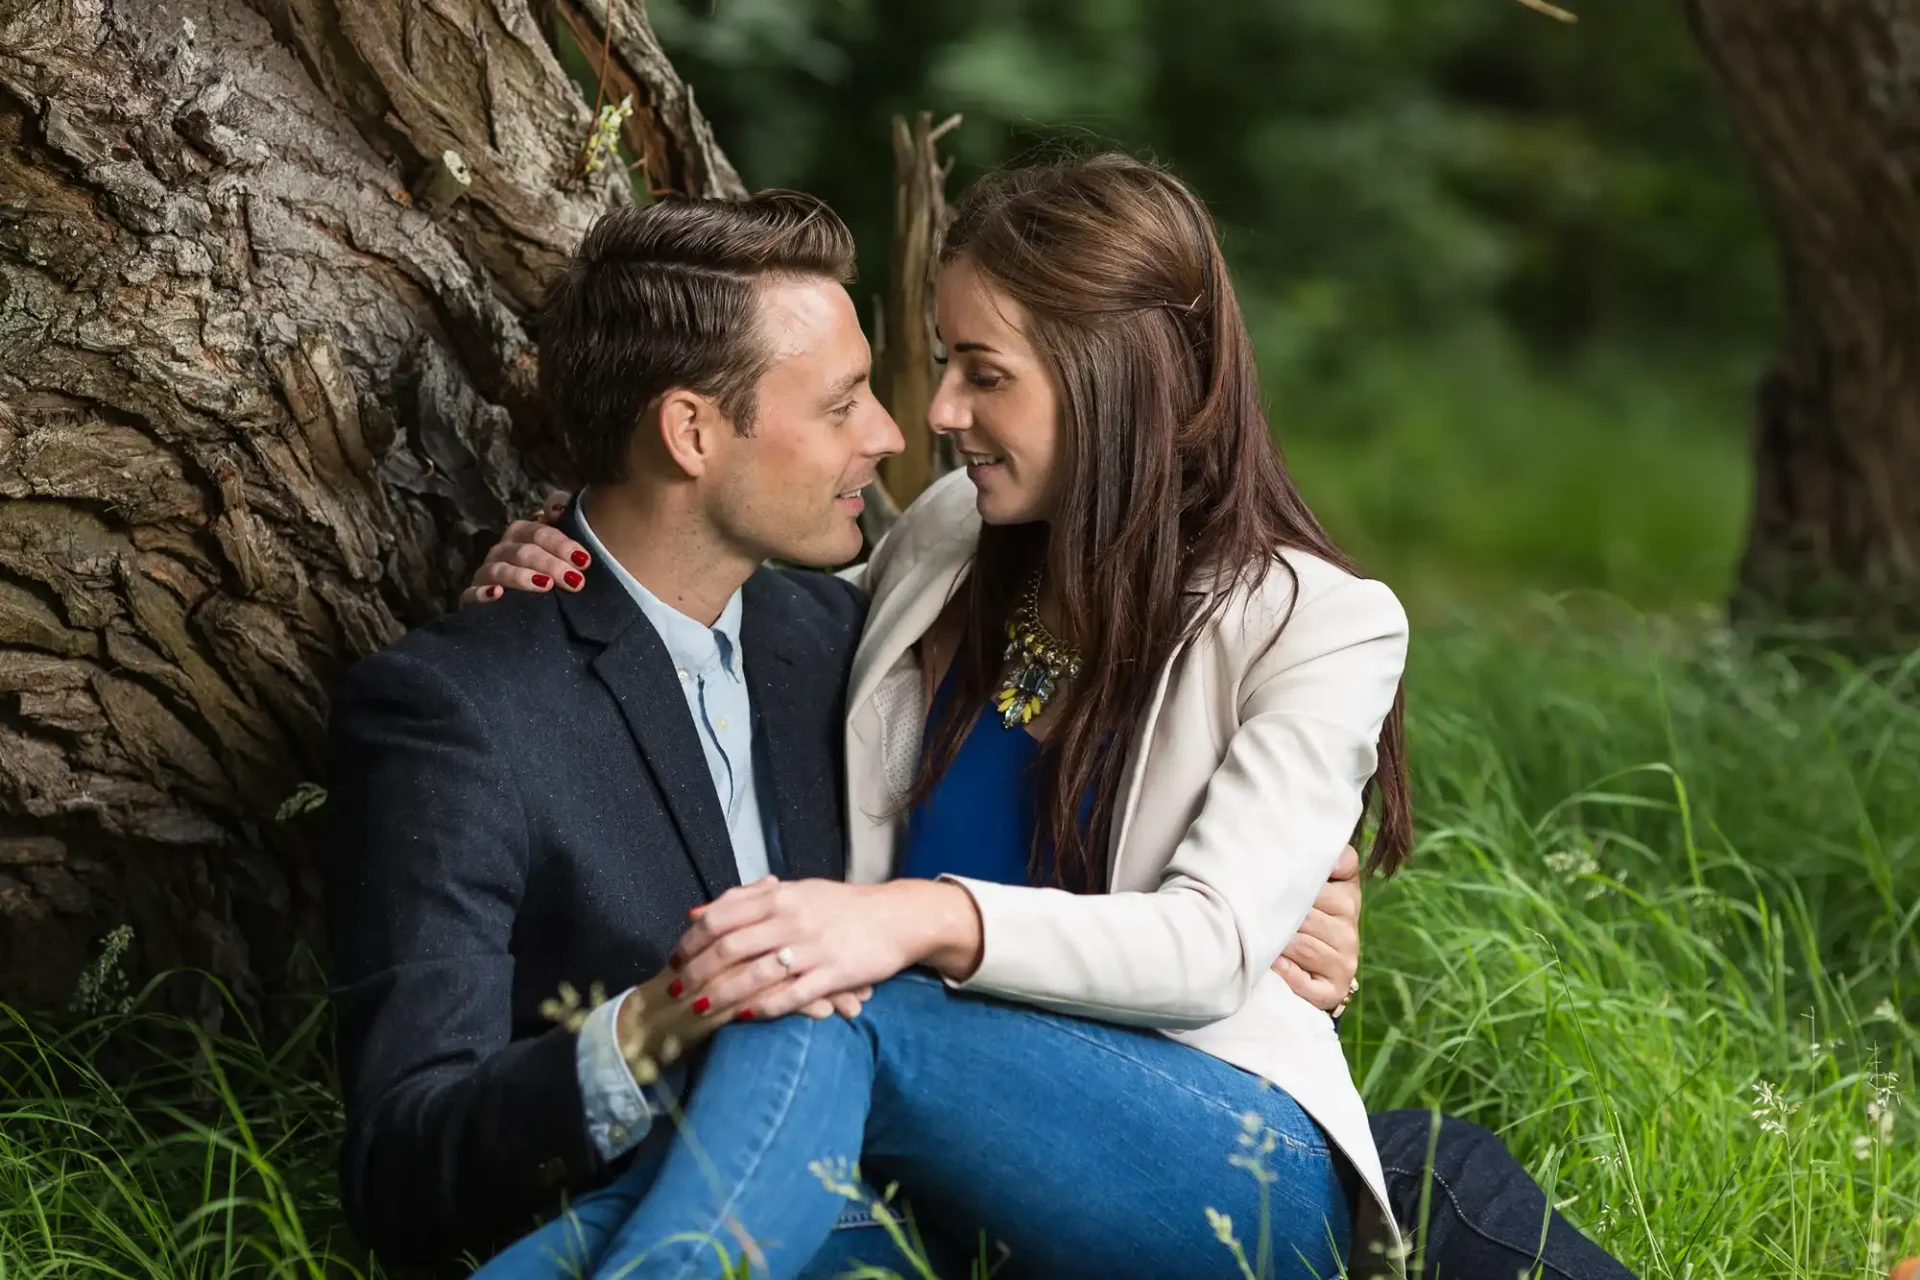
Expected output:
(996, 398)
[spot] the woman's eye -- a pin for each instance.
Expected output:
(984, 381)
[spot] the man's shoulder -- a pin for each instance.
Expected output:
(475, 645)
(827, 606)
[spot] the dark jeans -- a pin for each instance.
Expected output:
(1486, 1218)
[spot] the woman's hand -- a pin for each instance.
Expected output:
(1321, 961)
(532, 555)
(835, 938)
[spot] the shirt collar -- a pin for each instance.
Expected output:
(692, 645)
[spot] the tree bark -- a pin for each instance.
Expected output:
(1826, 101)
(262, 357)
(904, 372)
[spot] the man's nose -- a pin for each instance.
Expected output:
(886, 439)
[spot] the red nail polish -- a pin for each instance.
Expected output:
(542, 581)
(495, 593)
(674, 989)
(574, 579)
(581, 558)
(702, 1005)
(745, 1015)
(676, 962)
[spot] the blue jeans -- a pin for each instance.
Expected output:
(1084, 1148)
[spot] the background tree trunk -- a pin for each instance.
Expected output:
(261, 354)
(1826, 100)
(904, 372)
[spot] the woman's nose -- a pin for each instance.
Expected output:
(944, 414)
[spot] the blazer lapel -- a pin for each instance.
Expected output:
(1129, 799)
(635, 667)
(904, 611)
(795, 690)
(1201, 583)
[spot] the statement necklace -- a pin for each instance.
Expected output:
(1037, 662)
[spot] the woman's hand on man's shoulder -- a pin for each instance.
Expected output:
(532, 555)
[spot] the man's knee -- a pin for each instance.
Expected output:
(1416, 1141)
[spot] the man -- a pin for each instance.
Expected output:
(537, 793)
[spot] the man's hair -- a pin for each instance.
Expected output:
(665, 297)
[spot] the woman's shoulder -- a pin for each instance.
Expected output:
(943, 523)
(1313, 605)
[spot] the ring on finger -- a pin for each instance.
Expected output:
(785, 956)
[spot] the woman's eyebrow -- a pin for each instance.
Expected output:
(963, 347)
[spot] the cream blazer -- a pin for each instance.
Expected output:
(1243, 783)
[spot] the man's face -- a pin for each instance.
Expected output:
(790, 488)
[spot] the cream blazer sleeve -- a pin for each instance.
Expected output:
(1306, 712)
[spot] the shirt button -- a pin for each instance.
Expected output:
(617, 1135)
(682, 675)
(721, 724)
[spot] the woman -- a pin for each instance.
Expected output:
(1107, 671)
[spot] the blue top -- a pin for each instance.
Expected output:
(978, 821)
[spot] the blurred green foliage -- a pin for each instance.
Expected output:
(1508, 278)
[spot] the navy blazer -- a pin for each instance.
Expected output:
(518, 799)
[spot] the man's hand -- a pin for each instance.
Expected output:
(657, 1026)
(1323, 958)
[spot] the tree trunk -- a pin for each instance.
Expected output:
(263, 274)
(904, 373)
(1826, 100)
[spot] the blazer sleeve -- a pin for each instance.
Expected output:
(457, 1133)
(1277, 812)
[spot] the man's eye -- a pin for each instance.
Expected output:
(841, 411)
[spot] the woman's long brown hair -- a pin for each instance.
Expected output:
(1170, 467)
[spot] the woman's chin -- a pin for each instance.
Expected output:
(996, 510)
(998, 503)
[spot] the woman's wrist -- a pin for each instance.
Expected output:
(940, 925)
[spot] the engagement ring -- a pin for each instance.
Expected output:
(785, 956)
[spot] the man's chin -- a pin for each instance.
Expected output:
(829, 551)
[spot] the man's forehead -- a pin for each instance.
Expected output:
(802, 316)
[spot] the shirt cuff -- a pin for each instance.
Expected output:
(618, 1110)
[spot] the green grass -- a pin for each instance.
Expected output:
(1655, 870)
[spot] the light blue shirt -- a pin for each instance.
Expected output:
(708, 662)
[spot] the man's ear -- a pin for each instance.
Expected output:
(691, 429)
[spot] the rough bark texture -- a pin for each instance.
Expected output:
(256, 402)
(1826, 100)
(904, 372)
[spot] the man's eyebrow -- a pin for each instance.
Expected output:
(848, 383)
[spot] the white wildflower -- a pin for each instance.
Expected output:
(1572, 864)
(1772, 1111)
(1885, 1101)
